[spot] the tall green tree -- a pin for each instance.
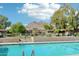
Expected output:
(58, 20)
(65, 18)
(48, 26)
(4, 23)
(17, 28)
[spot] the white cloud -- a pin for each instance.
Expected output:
(39, 10)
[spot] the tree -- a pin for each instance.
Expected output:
(58, 20)
(4, 23)
(48, 26)
(1, 26)
(65, 19)
(17, 28)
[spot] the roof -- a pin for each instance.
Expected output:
(35, 25)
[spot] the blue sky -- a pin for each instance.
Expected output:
(16, 12)
(11, 11)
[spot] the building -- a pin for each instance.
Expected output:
(36, 27)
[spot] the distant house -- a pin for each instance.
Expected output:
(37, 26)
(2, 32)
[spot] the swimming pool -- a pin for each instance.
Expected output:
(46, 49)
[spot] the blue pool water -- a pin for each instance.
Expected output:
(48, 49)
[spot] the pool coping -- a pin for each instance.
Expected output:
(47, 42)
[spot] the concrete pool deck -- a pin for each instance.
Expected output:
(55, 42)
(37, 40)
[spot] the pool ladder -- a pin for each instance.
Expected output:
(32, 53)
